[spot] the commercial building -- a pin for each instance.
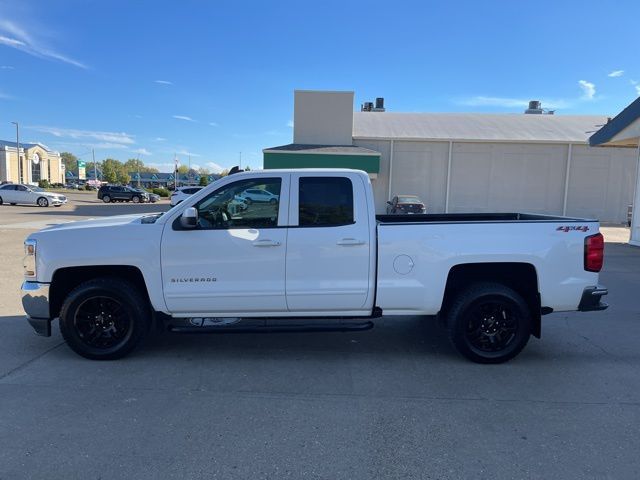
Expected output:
(36, 163)
(623, 131)
(464, 162)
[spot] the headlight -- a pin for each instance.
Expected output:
(29, 262)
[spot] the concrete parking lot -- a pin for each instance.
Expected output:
(392, 402)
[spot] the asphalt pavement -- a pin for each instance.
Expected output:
(392, 402)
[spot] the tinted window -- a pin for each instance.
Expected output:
(9, 187)
(21, 188)
(325, 201)
(225, 208)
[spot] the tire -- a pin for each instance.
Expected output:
(1, 201)
(122, 318)
(106, 198)
(42, 202)
(489, 323)
(135, 199)
(248, 200)
(273, 201)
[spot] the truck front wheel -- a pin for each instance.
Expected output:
(104, 318)
(489, 323)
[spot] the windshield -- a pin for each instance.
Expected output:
(408, 199)
(36, 189)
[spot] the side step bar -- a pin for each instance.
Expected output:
(295, 328)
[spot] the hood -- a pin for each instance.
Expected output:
(51, 194)
(114, 221)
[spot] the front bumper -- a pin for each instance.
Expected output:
(58, 201)
(35, 301)
(592, 299)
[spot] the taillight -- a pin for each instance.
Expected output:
(593, 252)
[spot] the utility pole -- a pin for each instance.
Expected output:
(175, 172)
(18, 151)
(95, 174)
(138, 165)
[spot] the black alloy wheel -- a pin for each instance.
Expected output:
(105, 318)
(489, 323)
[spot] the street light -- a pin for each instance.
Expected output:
(18, 151)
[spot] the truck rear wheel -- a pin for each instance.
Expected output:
(489, 323)
(104, 318)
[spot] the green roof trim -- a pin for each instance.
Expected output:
(369, 163)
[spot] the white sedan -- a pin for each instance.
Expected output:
(14, 193)
(182, 193)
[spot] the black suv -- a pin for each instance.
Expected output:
(114, 193)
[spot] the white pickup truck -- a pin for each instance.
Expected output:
(317, 258)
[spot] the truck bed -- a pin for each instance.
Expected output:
(475, 218)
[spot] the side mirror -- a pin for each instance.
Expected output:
(189, 218)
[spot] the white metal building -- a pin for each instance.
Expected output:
(474, 162)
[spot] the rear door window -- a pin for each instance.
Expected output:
(325, 201)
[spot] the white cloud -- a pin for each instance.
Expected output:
(290, 124)
(6, 67)
(187, 153)
(119, 138)
(616, 73)
(636, 85)
(505, 102)
(184, 117)
(15, 37)
(163, 82)
(213, 124)
(4, 96)
(85, 145)
(141, 151)
(588, 89)
(160, 139)
(213, 167)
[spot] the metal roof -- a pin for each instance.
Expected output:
(621, 121)
(477, 127)
(12, 144)
(326, 149)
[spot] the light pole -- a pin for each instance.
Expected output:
(138, 165)
(18, 151)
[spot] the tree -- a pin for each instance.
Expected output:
(70, 161)
(183, 170)
(110, 170)
(134, 165)
(203, 171)
(204, 181)
(123, 177)
(224, 172)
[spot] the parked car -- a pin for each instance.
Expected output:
(629, 215)
(117, 193)
(405, 204)
(72, 186)
(182, 193)
(259, 196)
(320, 257)
(14, 193)
(154, 197)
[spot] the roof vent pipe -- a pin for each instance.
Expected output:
(535, 108)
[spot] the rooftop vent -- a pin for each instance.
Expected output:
(535, 108)
(369, 106)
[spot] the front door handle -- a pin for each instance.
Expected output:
(350, 241)
(266, 243)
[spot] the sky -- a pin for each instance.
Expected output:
(213, 81)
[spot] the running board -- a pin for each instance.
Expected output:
(297, 328)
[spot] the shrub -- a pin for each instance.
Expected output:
(87, 187)
(163, 192)
(44, 183)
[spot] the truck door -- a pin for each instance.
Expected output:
(234, 261)
(328, 245)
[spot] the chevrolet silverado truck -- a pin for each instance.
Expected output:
(318, 258)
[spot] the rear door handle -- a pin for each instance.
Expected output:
(266, 243)
(350, 241)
